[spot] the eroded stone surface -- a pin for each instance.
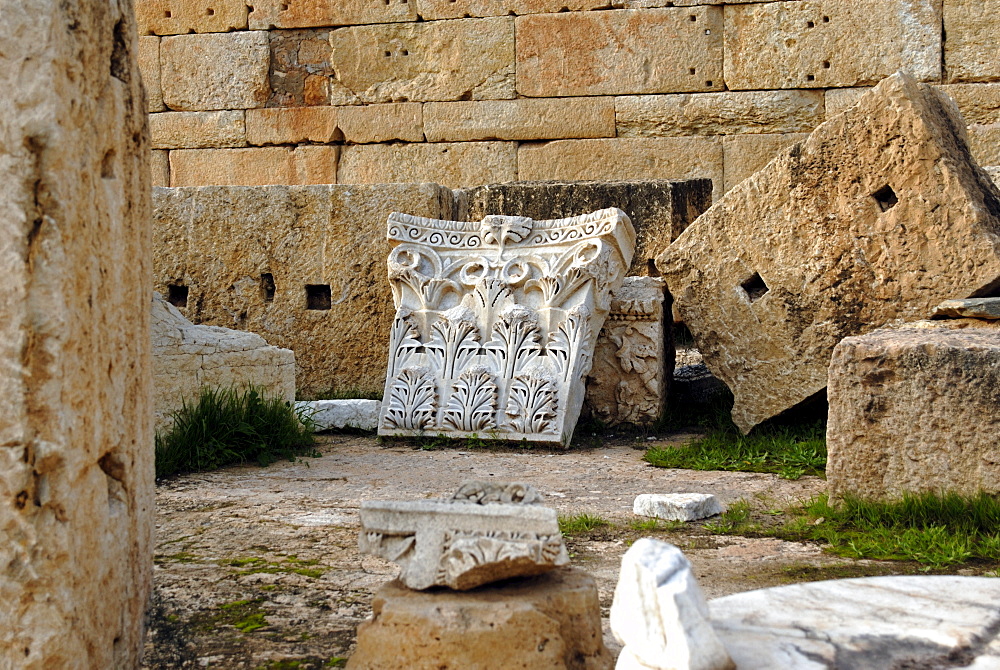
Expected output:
(267, 14)
(542, 623)
(337, 414)
(496, 321)
(660, 614)
(451, 164)
(833, 238)
(970, 308)
(915, 409)
(195, 130)
(179, 17)
(215, 71)
(522, 119)
(970, 53)
(677, 506)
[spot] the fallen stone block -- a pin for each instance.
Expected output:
(337, 414)
(915, 409)
(877, 217)
(971, 308)
(677, 506)
(486, 533)
(548, 622)
(660, 614)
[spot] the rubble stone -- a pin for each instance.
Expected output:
(178, 130)
(339, 414)
(970, 52)
(218, 71)
(452, 164)
(677, 506)
(914, 409)
(548, 622)
(76, 465)
(878, 216)
(522, 119)
(188, 358)
(255, 166)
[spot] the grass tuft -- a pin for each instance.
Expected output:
(229, 426)
(580, 523)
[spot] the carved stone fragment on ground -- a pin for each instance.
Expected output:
(677, 506)
(631, 374)
(877, 217)
(485, 533)
(496, 322)
(659, 613)
(337, 414)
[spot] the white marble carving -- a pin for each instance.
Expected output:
(660, 614)
(485, 533)
(677, 506)
(496, 322)
(629, 380)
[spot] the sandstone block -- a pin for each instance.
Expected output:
(914, 409)
(382, 123)
(728, 113)
(834, 238)
(979, 103)
(76, 465)
(339, 414)
(970, 52)
(522, 119)
(659, 612)
(831, 43)
(677, 506)
(268, 14)
(659, 210)
(566, 54)
(455, 165)
(254, 166)
(187, 358)
(292, 125)
(457, 9)
(746, 154)
(436, 60)
(159, 167)
(549, 622)
(970, 308)
(207, 72)
(148, 56)
(196, 130)
(180, 17)
(623, 159)
(296, 265)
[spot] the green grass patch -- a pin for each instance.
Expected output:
(230, 426)
(655, 525)
(290, 565)
(244, 615)
(581, 523)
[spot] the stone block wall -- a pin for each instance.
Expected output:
(470, 92)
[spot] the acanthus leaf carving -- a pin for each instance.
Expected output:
(531, 404)
(514, 343)
(412, 400)
(473, 403)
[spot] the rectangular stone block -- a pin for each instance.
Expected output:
(831, 43)
(268, 14)
(970, 51)
(180, 17)
(436, 60)
(620, 52)
(914, 410)
(208, 72)
(984, 142)
(382, 123)
(197, 130)
(457, 9)
(148, 57)
(254, 166)
(979, 103)
(252, 257)
(159, 165)
(522, 119)
(623, 159)
(456, 165)
(292, 125)
(726, 113)
(301, 74)
(877, 217)
(746, 154)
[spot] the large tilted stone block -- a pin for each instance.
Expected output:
(567, 53)
(879, 216)
(831, 43)
(76, 461)
(221, 71)
(915, 409)
(294, 264)
(549, 622)
(188, 358)
(496, 322)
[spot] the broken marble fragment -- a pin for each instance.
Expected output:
(970, 308)
(337, 414)
(460, 544)
(677, 506)
(496, 322)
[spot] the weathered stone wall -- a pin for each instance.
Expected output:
(76, 457)
(470, 92)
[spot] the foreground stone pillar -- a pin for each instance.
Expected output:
(76, 470)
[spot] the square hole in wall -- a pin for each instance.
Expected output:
(177, 295)
(318, 296)
(755, 287)
(267, 287)
(886, 198)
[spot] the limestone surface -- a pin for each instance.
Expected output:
(267, 14)
(451, 164)
(254, 166)
(76, 465)
(215, 71)
(914, 409)
(969, 52)
(878, 216)
(660, 614)
(486, 533)
(188, 358)
(180, 17)
(496, 322)
(337, 414)
(196, 130)
(548, 622)
(522, 119)
(971, 308)
(677, 506)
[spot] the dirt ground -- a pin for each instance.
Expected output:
(259, 567)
